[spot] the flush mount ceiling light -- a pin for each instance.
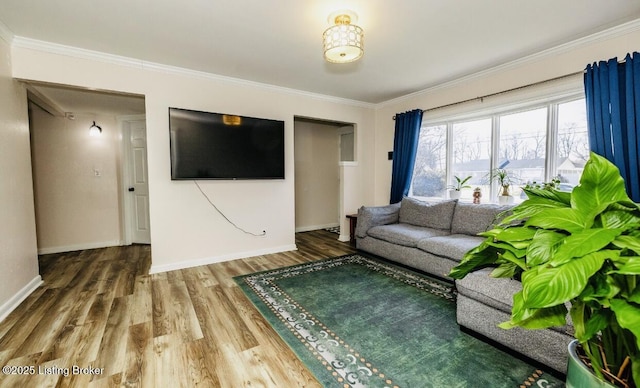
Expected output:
(94, 130)
(343, 42)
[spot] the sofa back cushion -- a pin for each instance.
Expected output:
(436, 215)
(469, 218)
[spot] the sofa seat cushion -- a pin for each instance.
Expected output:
(436, 215)
(453, 246)
(494, 292)
(469, 218)
(404, 234)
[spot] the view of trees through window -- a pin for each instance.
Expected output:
(534, 145)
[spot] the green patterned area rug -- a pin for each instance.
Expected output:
(359, 322)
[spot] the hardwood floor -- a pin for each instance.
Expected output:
(193, 327)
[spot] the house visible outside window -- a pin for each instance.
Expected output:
(522, 148)
(533, 143)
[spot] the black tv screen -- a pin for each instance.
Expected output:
(220, 146)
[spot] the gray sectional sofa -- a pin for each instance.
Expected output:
(433, 237)
(429, 236)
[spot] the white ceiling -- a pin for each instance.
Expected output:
(410, 45)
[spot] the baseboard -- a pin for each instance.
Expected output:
(219, 259)
(19, 297)
(79, 247)
(315, 227)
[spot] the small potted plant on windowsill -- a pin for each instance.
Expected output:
(580, 248)
(455, 190)
(501, 176)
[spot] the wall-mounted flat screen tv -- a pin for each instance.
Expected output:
(222, 146)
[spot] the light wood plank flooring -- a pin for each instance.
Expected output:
(193, 327)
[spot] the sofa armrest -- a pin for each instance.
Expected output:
(370, 216)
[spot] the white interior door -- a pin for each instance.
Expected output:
(137, 189)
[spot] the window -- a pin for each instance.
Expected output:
(522, 147)
(430, 169)
(572, 150)
(533, 143)
(471, 141)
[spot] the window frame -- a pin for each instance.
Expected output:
(550, 102)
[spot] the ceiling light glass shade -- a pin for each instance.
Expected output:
(94, 130)
(343, 42)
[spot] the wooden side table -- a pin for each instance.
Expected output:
(353, 222)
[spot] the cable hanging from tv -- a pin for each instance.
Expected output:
(264, 232)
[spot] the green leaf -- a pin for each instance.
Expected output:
(519, 233)
(562, 197)
(563, 219)
(635, 367)
(614, 219)
(600, 186)
(628, 242)
(630, 267)
(600, 288)
(579, 317)
(478, 257)
(595, 324)
(510, 257)
(530, 208)
(503, 247)
(635, 296)
(505, 270)
(549, 286)
(540, 318)
(543, 246)
(628, 317)
(491, 233)
(580, 243)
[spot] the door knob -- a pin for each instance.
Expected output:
(132, 189)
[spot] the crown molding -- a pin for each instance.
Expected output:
(5, 33)
(76, 52)
(613, 32)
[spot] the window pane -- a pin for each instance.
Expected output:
(431, 162)
(471, 155)
(522, 147)
(573, 143)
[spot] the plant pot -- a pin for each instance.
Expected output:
(505, 199)
(579, 375)
(454, 194)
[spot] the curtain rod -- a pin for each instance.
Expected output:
(501, 92)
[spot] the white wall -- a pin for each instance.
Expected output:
(18, 252)
(563, 60)
(185, 230)
(75, 207)
(317, 175)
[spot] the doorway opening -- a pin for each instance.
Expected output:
(323, 150)
(81, 181)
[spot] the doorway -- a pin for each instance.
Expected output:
(320, 148)
(78, 178)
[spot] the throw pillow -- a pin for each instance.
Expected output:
(472, 219)
(371, 216)
(436, 215)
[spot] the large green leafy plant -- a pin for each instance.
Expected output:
(579, 248)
